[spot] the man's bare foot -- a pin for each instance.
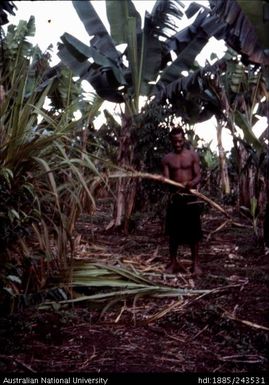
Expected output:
(196, 270)
(175, 267)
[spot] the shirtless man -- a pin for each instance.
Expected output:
(183, 224)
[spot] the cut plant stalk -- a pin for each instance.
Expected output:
(162, 179)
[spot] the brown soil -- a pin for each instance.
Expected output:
(226, 330)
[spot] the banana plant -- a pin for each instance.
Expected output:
(245, 29)
(142, 67)
(148, 68)
(121, 77)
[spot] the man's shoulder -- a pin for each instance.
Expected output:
(168, 156)
(192, 152)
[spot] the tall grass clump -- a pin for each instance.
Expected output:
(42, 184)
(44, 177)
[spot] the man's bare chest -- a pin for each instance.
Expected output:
(177, 162)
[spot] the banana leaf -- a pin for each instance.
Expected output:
(117, 13)
(250, 137)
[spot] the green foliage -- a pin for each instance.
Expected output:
(151, 136)
(146, 65)
(44, 172)
(17, 38)
(107, 138)
(118, 283)
(245, 87)
(17, 52)
(209, 159)
(65, 93)
(42, 188)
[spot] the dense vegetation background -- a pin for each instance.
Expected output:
(58, 173)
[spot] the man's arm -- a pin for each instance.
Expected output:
(165, 164)
(196, 172)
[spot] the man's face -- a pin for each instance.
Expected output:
(178, 142)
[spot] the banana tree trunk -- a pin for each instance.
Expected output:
(247, 179)
(266, 213)
(224, 176)
(126, 188)
(266, 226)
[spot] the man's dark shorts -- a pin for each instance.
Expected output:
(183, 218)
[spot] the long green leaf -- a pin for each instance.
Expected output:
(156, 291)
(79, 54)
(184, 60)
(257, 16)
(77, 173)
(95, 27)
(90, 18)
(118, 13)
(51, 179)
(243, 123)
(127, 274)
(82, 281)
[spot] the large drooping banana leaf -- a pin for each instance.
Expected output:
(99, 63)
(156, 52)
(243, 123)
(224, 20)
(147, 52)
(247, 27)
(148, 56)
(117, 13)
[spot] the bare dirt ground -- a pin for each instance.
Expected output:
(225, 330)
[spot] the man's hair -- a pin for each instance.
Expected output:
(176, 131)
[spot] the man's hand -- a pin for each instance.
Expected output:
(188, 185)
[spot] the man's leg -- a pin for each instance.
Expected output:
(196, 268)
(174, 266)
